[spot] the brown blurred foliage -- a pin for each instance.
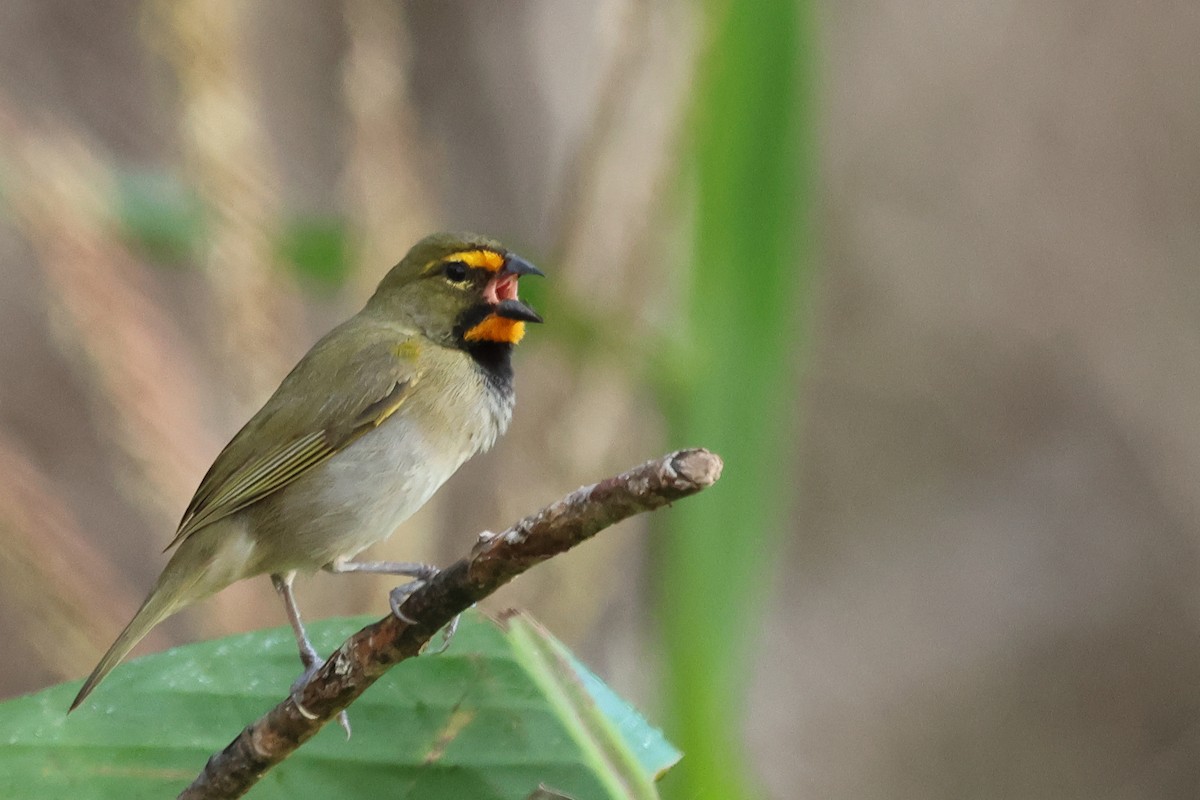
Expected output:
(992, 592)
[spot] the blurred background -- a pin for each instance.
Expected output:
(924, 273)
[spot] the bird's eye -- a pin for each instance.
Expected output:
(455, 271)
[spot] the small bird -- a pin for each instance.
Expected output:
(358, 436)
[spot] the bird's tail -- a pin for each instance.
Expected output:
(165, 599)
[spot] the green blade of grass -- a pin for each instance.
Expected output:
(751, 171)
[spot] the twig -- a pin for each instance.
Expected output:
(495, 560)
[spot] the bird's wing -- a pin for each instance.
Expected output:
(293, 434)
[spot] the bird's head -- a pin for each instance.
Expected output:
(458, 289)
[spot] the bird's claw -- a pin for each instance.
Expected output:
(344, 721)
(313, 665)
(397, 596)
(447, 635)
(297, 690)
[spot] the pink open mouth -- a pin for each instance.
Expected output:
(500, 288)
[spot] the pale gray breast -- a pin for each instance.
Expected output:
(363, 493)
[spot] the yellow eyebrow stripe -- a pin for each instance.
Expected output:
(484, 259)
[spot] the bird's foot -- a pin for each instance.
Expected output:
(311, 668)
(400, 594)
(397, 596)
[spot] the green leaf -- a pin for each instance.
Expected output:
(318, 248)
(503, 712)
(161, 215)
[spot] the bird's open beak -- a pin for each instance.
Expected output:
(501, 291)
(507, 315)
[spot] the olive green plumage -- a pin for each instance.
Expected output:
(370, 422)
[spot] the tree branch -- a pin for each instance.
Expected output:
(494, 561)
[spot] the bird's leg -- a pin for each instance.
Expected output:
(308, 654)
(396, 597)
(422, 572)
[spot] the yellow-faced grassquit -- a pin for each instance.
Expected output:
(374, 418)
